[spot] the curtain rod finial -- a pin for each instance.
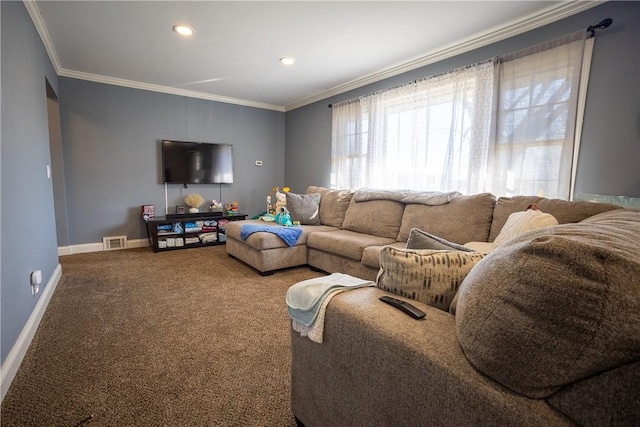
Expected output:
(605, 23)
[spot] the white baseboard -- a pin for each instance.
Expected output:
(138, 243)
(98, 247)
(19, 349)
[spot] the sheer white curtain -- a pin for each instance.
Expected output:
(537, 118)
(432, 134)
(506, 125)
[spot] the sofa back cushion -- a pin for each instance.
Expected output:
(316, 189)
(333, 204)
(333, 207)
(377, 217)
(565, 212)
(463, 219)
(556, 305)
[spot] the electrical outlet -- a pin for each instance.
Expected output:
(36, 280)
(36, 277)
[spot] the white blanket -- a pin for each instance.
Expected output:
(307, 301)
(315, 332)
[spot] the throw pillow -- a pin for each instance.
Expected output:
(517, 223)
(304, 208)
(431, 277)
(419, 239)
(521, 222)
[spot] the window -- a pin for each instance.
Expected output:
(417, 136)
(506, 125)
(536, 119)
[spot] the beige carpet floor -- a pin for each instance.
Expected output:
(180, 338)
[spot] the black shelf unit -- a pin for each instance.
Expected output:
(192, 230)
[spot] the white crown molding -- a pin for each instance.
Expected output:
(165, 89)
(496, 34)
(510, 29)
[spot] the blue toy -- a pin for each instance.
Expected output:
(283, 217)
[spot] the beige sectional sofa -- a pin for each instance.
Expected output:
(355, 226)
(546, 332)
(542, 331)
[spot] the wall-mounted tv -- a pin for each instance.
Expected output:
(196, 163)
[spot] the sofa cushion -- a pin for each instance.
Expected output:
(262, 240)
(565, 212)
(429, 276)
(316, 189)
(419, 239)
(371, 254)
(345, 243)
(556, 305)
(333, 205)
(608, 399)
(304, 208)
(463, 219)
(376, 217)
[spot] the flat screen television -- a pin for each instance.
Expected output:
(196, 163)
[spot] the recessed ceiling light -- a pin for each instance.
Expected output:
(183, 30)
(287, 60)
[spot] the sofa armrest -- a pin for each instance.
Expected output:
(379, 367)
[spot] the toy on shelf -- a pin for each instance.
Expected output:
(232, 208)
(215, 206)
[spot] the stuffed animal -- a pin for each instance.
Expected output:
(283, 217)
(281, 201)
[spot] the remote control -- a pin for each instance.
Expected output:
(404, 306)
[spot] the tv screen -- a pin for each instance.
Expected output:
(196, 163)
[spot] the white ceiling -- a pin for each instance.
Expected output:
(233, 55)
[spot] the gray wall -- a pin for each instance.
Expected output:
(112, 160)
(610, 150)
(57, 165)
(28, 234)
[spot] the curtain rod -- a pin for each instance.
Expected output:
(383, 90)
(604, 24)
(423, 78)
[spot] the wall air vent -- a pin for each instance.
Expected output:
(114, 242)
